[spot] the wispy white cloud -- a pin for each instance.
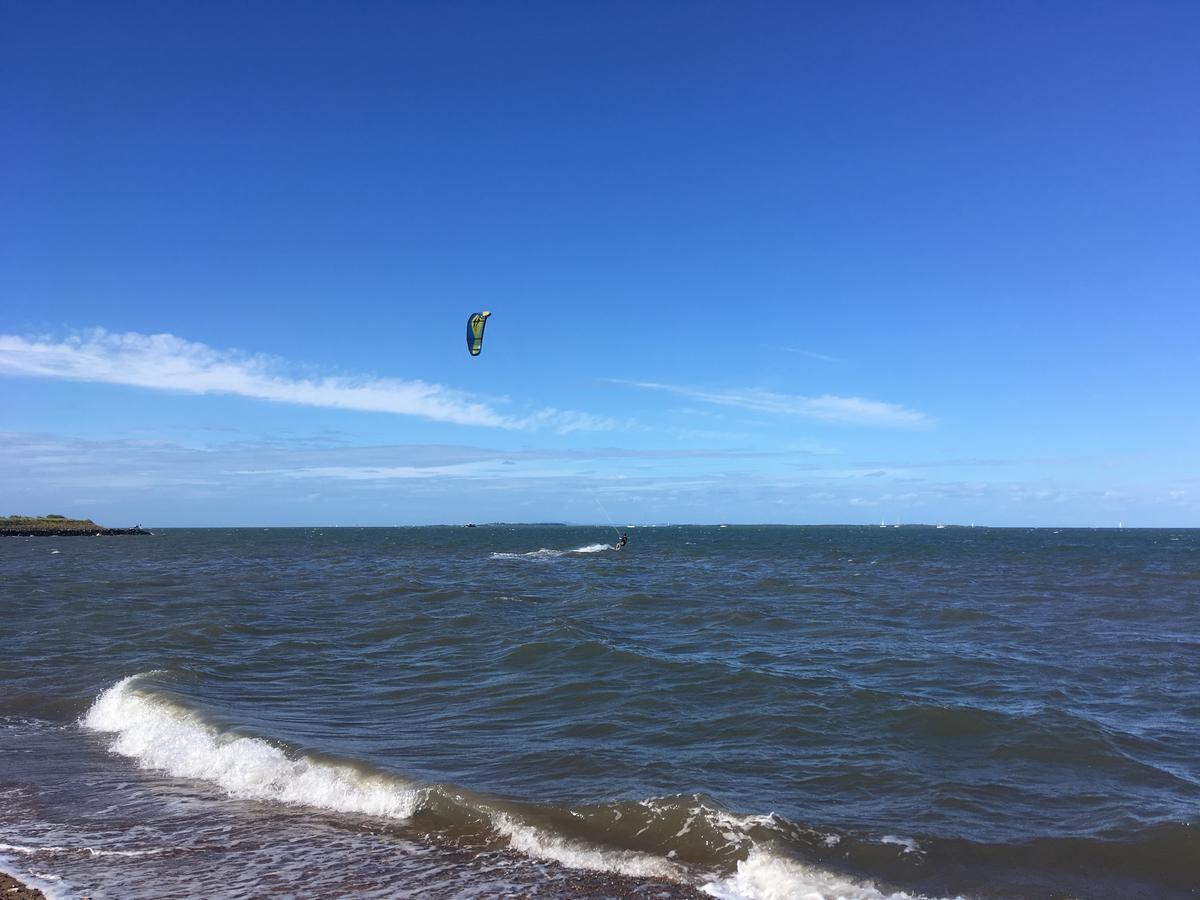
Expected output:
(374, 473)
(828, 408)
(167, 362)
(983, 462)
(823, 357)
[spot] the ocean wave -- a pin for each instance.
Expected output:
(687, 840)
(160, 734)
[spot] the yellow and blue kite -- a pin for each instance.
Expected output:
(476, 322)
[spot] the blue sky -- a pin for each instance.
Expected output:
(747, 262)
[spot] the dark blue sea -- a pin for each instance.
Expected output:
(520, 711)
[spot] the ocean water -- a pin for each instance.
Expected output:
(757, 712)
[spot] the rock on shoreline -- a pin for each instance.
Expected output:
(16, 890)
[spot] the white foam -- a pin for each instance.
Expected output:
(547, 553)
(764, 876)
(543, 553)
(542, 844)
(90, 851)
(909, 844)
(162, 736)
(593, 548)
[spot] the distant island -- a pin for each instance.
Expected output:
(57, 526)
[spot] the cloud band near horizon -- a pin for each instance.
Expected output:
(827, 407)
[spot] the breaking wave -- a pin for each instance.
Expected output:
(686, 840)
(162, 735)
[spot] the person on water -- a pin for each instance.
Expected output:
(622, 542)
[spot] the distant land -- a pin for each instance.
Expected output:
(58, 526)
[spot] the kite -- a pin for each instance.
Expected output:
(476, 322)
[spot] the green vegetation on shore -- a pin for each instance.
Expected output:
(57, 525)
(48, 523)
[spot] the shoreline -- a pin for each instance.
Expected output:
(70, 532)
(58, 526)
(12, 888)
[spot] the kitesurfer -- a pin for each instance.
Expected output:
(622, 542)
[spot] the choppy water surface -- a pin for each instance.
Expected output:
(745, 712)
